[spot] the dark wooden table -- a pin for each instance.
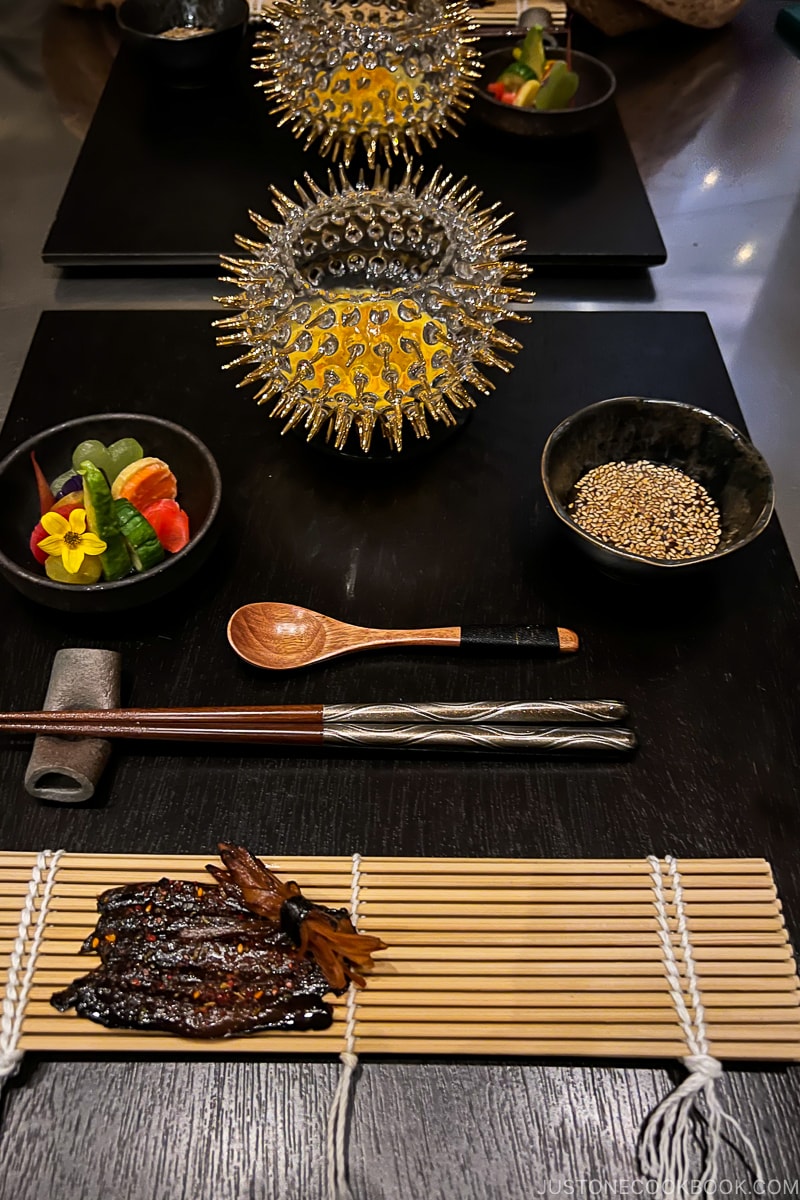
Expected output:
(708, 668)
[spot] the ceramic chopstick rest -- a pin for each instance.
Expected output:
(67, 771)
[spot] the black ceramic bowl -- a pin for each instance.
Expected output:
(697, 442)
(591, 102)
(189, 60)
(199, 491)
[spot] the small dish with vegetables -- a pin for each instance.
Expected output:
(532, 80)
(119, 510)
(537, 90)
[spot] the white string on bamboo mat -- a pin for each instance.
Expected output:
(338, 1187)
(15, 999)
(671, 1147)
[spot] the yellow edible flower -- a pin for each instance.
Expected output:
(70, 539)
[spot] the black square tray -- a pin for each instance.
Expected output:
(166, 177)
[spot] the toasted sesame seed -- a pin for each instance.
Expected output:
(647, 509)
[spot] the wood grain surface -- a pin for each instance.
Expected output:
(708, 668)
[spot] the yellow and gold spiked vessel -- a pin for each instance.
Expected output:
(373, 308)
(388, 75)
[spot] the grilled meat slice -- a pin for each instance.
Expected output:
(118, 928)
(190, 1005)
(166, 895)
(252, 958)
(209, 961)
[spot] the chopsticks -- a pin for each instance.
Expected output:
(524, 726)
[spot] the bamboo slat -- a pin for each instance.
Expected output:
(498, 14)
(505, 13)
(486, 957)
(489, 13)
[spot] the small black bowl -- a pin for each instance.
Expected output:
(705, 447)
(592, 100)
(199, 491)
(187, 61)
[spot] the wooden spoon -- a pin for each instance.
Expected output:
(282, 636)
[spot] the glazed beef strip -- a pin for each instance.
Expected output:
(190, 959)
(192, 1005)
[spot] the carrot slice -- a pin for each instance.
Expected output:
(46, 497)
(144, 482)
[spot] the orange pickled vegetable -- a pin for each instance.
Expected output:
(144, 482)
(46, 497)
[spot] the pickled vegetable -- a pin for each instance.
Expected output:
(532, 51)
(122, 453)
(102, 520)
(46, 496)
(94, 452)
(144, 548)
(88, 572)
(170, 523)
(145, 481)
(68, 482)
(533, 81)
(558, 88)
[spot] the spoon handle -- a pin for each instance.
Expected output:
(538, 638)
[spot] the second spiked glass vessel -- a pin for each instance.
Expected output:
(389, 76)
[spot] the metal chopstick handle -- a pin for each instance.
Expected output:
(521, 739)
(511, 712)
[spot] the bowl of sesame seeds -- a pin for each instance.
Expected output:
(647, 485)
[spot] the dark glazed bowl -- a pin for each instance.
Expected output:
(188, 61)
(707, 448)
(592, 100)
(199, 491)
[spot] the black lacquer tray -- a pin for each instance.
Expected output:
(166, 177)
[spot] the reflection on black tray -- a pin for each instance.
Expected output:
(166, 177)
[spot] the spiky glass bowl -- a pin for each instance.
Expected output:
(370, 308)
(385, 75)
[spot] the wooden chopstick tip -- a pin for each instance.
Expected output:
(568, 642)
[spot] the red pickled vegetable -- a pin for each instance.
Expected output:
(38, 535)
(496, 89)
(46, 497)
(170, 523)
(508, 97)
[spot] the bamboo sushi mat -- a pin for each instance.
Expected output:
(532, 957)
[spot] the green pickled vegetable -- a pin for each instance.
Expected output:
(532, 51)
(94, 452)
(558, 88)
(515, 74)
(101, 519)
(141, 539)
(122, 453)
